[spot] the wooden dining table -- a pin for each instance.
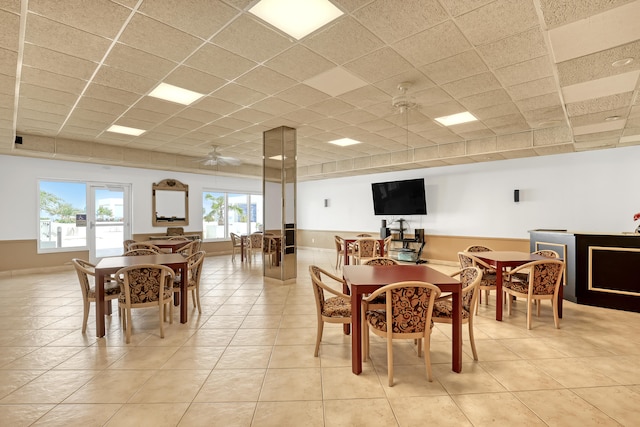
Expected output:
(503, 260)
(349, 240)
(110, 265)
(364, 279)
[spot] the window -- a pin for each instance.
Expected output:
(62, 217)
(224, 213)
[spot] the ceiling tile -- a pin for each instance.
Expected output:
(299, 63)
(472, 85)
(219, 62)
(523, 72)
(605, 103)
(458, 7)
(55, 81)
(417, 15)
(439, 42)
(515, 49)
(560, 13)
(378, 65)
(329, 42)
(123, 80)
(542, 101)
(195, 80)
(533, 88)
(137, 61)
(62, 38)
(514, 16)
(302, 95)
(143, 33)
(238, 94)
(251, 39)
(202, 18)
(457, 67)
(485, 99)
(598, 88)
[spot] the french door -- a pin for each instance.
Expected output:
(108, 219)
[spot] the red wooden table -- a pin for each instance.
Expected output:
(107, 266)
(364, 279)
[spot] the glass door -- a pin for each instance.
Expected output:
(108, 219)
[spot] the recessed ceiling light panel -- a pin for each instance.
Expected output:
(125, 130)
(175, 94)
(297, 18)
(344, 142)
(456, 119)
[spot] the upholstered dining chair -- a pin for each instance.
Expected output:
(545, 278)
(365, 249)
(270, 247)
(126, 244)
(488, 282)
(381, 261)
(470, 278)
(145, 285)
(333, 309)
(523, 275)
(136, 252)
(364, 235)
(85, 270)
(236, 245)
(387, 245)
(409, 306)
(194, 271)
(145, 245)
(178, 238)
(255, 245)
(189, 249)
(340, 248)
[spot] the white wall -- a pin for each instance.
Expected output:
(19, 191)
(588, 191)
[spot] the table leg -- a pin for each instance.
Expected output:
(346, 253)
(184, 298)
(499, 272)
(560, 298)
(100, 329)
(241, 249)
(456, 339)
(356, 333)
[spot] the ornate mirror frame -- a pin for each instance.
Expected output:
(170, 203)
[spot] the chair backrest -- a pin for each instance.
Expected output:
(255, 240)
(547, 253)
(178, 238)
(136, 252)
(126, 244)
(143, 282)
(175, 231)
(319, 286)
(363, 235)
(409, 306)
(478, 248)
(381, 261)
(84, 269)
(195, 262)
(387, 244)
(270, 243)
(468, 260)
(339, 241)
(189, 249)
(545, 276)
(235, 239)
(144, 245)
(367, 247)
(470, 277)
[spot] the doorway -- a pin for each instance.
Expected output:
(108, 218)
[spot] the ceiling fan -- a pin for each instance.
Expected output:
(214, 158)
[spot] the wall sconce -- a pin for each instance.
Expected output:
(326, 203)
(516, 196)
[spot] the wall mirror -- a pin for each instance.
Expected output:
(170, 203)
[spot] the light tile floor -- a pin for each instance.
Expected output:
(247, 360)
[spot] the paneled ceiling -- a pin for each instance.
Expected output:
(542, 76)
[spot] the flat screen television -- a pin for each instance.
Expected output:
(399, 197)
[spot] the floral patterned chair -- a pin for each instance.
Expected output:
(255, 245)
(136, 252)
(545, 277)
(365, 248)
(145, 245)
(335, 309)
(470, 278)
(340, 248)
(488, 282)
(84, 270)
(381, 261)
(145, 285)
(523, 276)
(126, 243)
(194, 269)
(409, 306)
(236, 245)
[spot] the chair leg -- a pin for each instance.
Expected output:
(529, 313)
(161, 314)
(128, 326)
(508, 299)
(473, 342)
(196, 300)
(390, 359)
(427, 357)
(318, 336)
(85, 316)
(554, 307)
(419, 346)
